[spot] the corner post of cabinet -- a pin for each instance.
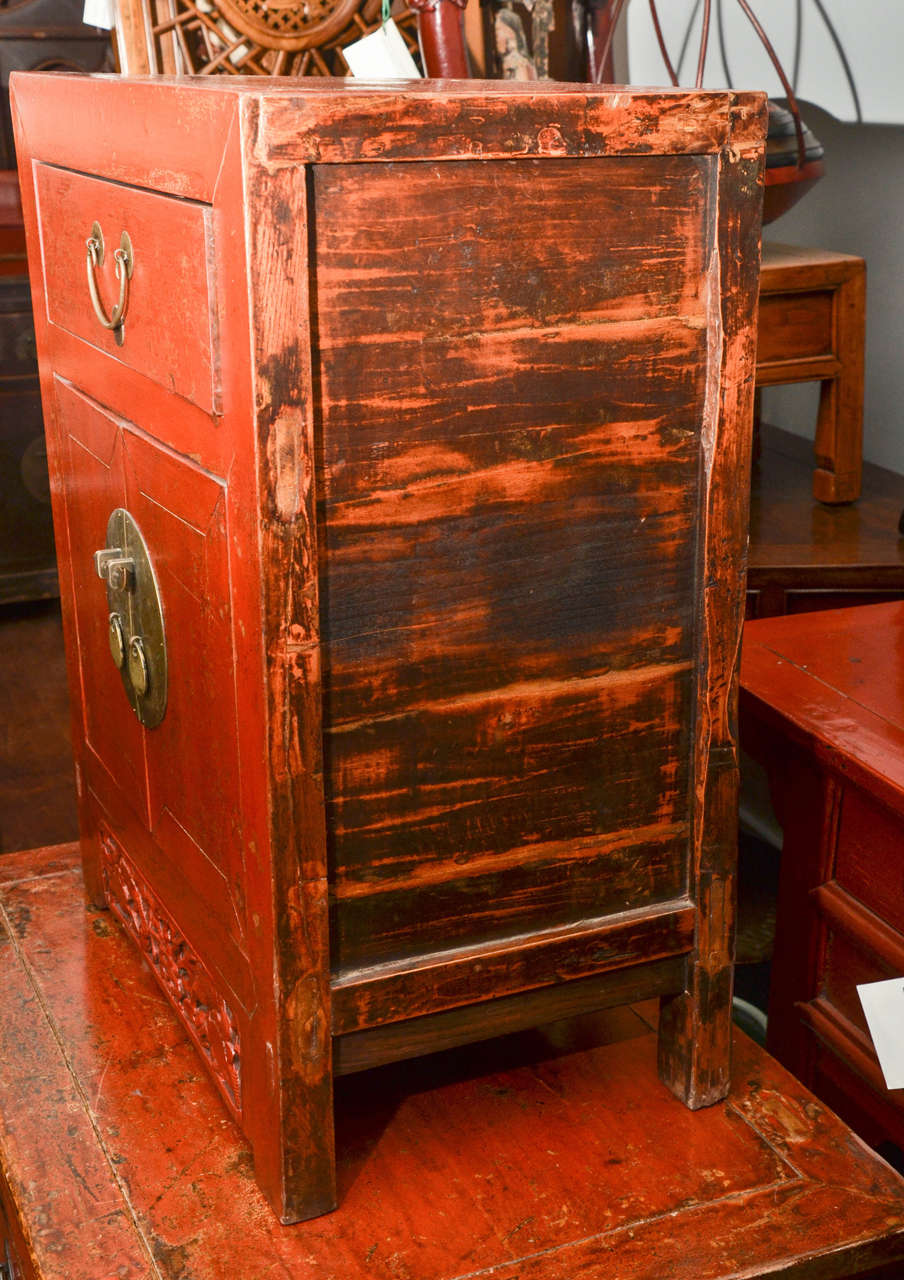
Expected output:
(300, 1164)
(695, 1025)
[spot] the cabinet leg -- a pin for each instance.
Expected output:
(695, 1026)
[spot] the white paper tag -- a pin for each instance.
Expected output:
(883, 1004)
(100, 13)
(383, 55)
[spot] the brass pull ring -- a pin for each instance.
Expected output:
(124, 263)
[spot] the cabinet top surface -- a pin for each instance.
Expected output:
(171, 133)
(329, 88)
(290, 120)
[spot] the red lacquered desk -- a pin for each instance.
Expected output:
(538, 1157)
(822, 707)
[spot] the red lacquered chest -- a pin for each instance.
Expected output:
(408, 429)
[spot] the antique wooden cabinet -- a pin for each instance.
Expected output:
(408, 431)
(823, 710)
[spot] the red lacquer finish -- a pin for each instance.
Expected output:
(549, 1154)
(433, 407)
(823, 708)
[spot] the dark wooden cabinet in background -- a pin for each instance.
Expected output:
(432, 408)
(44, 35)
(27, 560)
(34, 35)
(806, 556)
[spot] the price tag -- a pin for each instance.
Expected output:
(100, 13)
(383, 55)
(883, 1004)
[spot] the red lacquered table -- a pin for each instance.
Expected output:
(540, 1156)
(822, 707)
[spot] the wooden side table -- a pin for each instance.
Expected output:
(822, 708)
(553, 1153)
(805, 555)
(811, 328)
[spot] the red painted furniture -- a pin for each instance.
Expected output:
(822, 707)
(432, 408)
(538, 1156)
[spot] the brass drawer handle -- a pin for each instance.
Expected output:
(124, 260)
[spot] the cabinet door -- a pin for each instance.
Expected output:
(93, 486)
(180, 779)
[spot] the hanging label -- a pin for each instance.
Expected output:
(883, 1004)
(100, 13)
(383, 55)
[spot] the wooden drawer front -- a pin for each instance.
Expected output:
(508, 550)
(869, 860)
(848, 964)
(169, 326)
(795, 325)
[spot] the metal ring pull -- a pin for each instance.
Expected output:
(124, 261)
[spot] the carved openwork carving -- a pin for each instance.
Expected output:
(263, 37)
(206, 1015)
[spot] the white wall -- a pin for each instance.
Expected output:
(857, 208)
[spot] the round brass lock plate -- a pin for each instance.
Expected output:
(136, 629)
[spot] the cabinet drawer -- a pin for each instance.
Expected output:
(794, 326)
(868, 861)
(169, 333)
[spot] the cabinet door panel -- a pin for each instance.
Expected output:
(194, 811)
(93, 487)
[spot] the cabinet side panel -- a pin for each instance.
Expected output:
(512, 364)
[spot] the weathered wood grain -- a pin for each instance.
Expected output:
(376, 995)
(695, 1034)
(483, 120)
(450, 558)
(302, 1175)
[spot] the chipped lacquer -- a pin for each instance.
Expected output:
(432, 407)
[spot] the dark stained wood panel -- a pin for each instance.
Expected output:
(508, 515)
(474, 264)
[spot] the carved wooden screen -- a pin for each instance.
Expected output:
(248, 37)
